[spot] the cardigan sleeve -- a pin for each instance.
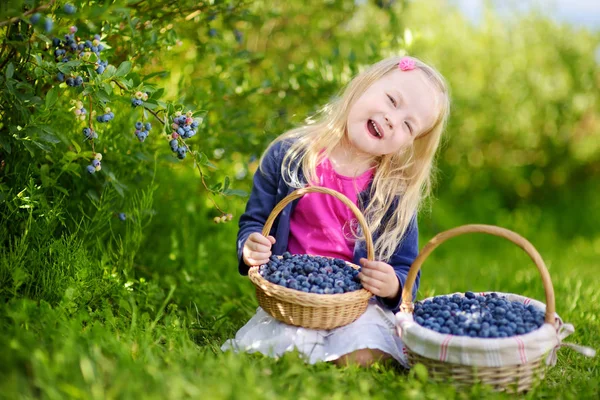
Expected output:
(262, 200)
(401, 260)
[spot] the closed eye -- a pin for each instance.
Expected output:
(409, 127)
(392, 100)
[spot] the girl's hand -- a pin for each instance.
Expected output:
(379, 278)
(257, 249)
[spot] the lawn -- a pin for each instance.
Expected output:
(74, 328)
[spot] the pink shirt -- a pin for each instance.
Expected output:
(321, 224)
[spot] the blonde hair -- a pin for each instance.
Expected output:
(406, 175)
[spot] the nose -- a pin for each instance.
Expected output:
(389, 122)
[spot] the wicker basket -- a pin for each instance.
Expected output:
(310, 310)
(510, 378)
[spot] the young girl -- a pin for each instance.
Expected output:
(376, 145)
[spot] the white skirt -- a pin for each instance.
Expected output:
(375, 329)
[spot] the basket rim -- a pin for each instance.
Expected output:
(303, 298)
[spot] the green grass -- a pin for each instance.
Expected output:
(142, 311)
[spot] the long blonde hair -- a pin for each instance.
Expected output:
(405, 176)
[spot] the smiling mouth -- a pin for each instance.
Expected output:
(374, 129)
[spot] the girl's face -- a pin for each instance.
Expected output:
(392, 113)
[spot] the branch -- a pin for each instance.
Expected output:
(33, 10)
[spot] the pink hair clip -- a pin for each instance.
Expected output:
(406, 64)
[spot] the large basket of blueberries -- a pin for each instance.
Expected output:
(500, 339)
(311, 291)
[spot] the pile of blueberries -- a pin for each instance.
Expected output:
(311, 274)
(481, 316)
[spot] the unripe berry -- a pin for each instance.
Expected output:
(138, 95)
(98, 156)
(98, 167)
(223, 218)
(145, 96)
(217, 220)
(178, 113)
(78, 104)
(175, 135)
(188, 114)
(229, 217)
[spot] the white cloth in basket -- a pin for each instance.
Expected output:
(375, 329)
(497, 352)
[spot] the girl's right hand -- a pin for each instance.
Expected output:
(257, 249)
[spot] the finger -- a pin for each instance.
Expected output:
(256, 261)
(272, 239)
(259, 255)
(365, 280)
(372, 289)
(258, 238)
(374, 274)
(374, 265)
(259, 247)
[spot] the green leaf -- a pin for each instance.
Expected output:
(226, 184)
(123, 69)
(162, 74)
(235, 192)
(10, 70)
(51, 97)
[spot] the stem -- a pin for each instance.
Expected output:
(211, 196)
(164, 122)
(33, 10)
(90, 121)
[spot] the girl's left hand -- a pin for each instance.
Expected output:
(379, 278)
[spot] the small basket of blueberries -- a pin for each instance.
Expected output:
(311, 291)
(501, 339)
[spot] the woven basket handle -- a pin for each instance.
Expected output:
(296, 194)
(407, 304)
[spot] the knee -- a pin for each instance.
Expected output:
(362, 357)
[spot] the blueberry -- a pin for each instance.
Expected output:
(69, 9)
(138, 125)
(48, 24)
(90, 169)
(35, 18)
(122, 216)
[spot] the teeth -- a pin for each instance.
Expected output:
(375, 127)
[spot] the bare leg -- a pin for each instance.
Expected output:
(362, 357)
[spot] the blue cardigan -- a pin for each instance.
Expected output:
(269, 189)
